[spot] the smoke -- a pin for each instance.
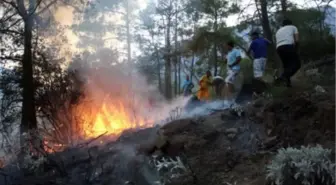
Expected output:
(123, 87)
(207, 108)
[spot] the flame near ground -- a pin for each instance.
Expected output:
(115, 102)
(111, 117)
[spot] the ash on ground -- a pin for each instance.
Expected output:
(225, 147)
(150, 156)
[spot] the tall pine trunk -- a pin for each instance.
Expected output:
(283, 7)
(268, 33)
(215, 45)
(176, 55)
(158, 68)
(28, 120)
(175, 78)
(264, 19)
(129, 54)
(28, 126)
(168, 89)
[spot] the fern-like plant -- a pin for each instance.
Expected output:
(304, 166)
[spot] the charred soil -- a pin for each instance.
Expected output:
(221, 148)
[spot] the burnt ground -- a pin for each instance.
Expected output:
(222, 148)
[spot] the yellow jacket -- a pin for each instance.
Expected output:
(205, 82)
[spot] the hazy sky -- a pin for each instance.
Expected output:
(232, 20)
(64, 15)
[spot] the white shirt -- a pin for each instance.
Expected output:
(285, 35)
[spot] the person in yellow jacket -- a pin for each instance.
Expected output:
(205, 83)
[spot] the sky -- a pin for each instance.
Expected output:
(64, 15)
(232, 20)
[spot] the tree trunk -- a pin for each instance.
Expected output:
(268, 33)
(264, 19)
(168, 89)
(175, 79)
(192, 67)
(193, 54)
(158, 69)
(179, 70)
(175, 56)
(215, 45)
(258, 9)
(283, 7)
(129, 55)
(28, 127)
(179, 75)
(28, 105)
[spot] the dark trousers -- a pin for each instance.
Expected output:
(290, 60)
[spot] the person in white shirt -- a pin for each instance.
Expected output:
(287, 42)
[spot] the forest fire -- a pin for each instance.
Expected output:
(110, 118)
(107, 108)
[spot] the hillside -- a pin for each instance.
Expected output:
(226, 146)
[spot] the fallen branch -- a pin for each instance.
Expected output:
(92, 140)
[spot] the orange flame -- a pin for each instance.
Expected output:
(110, 119)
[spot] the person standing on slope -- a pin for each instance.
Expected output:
(233, 68)
(205, 83)
(259, 48)
(187, 86)
(287, 42)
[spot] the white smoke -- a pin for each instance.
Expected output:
(115, 84)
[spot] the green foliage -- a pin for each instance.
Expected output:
(307, 21)
(316, 40)
(204, 39)
(315, 48)
(305, 166)
(220, 8)
(92, 24)
(247, 69)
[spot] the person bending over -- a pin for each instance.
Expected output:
(233, 68)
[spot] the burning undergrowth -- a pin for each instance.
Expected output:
(117, 115)
(113, 100)
(126, 160)
(116, 101)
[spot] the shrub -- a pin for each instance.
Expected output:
(316, 48)
(305, 166)
(247, 69)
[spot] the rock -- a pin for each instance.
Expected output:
(231, 131)
(269, 131)
(311, 72)
(231, 136)
(320, 89)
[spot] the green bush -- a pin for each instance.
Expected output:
(305, 166)
(314, 49)
(246, 69)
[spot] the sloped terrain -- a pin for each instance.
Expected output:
(221, 148)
